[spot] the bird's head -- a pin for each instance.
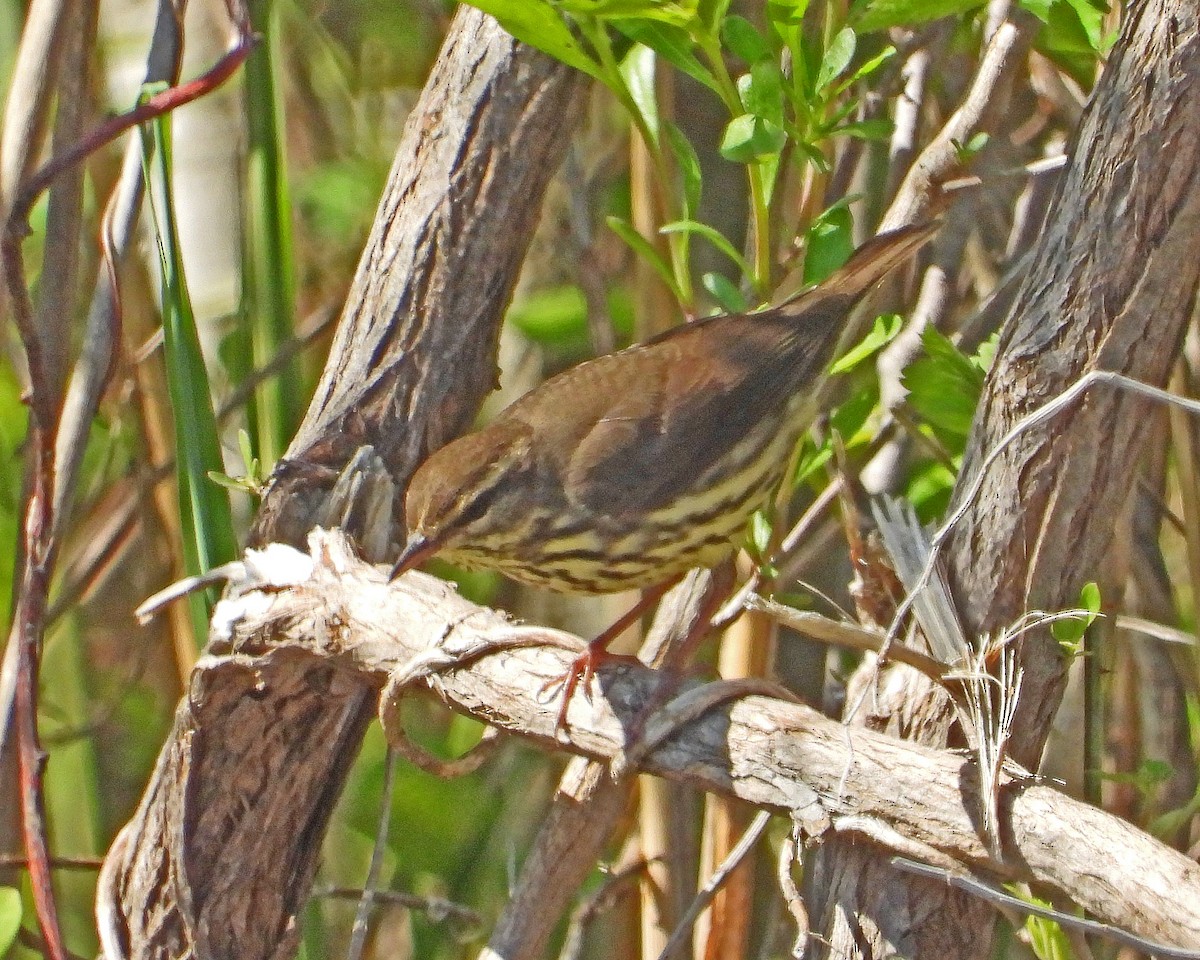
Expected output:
(453, 494)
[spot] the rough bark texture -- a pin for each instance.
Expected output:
(1112, 286)
(220, 857)
(415, 349)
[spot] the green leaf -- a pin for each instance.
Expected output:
(743, 40)
(637, 70)
(681, 14)
(873, 64)
(812, 458)
(761, 91)
(1072, 36)
(876, 130)
(1069, 631)
(538, 24)
(712, 12)
(644, 249)
(1091, 16)
(787, 13)
(766, 172)
(688, 165)
(829, 244)
(712, 235)
(208, 537)
(1046, 938)
(673, 44)
(1075, 26)
(837, 58)
(929, 489)
(882, 333)
(850, 419)
(813, 156)
(760, 533)
(723, 291)
(10, 917)
(986, 353)
(748, 138)
(969, 150)
(552, 315)
(944, 385)
(245, 484)
(881, 14)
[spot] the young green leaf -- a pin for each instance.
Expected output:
(748, 138)
(744, 41)
(837, 58)
(642, 247)
(538, 24)
(969, 150)
(728, 297)
(882, 333)
(944, 385)
(712, 235)
(1069, 631)
(1089, 600)
(688, 164)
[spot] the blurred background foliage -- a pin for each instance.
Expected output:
(729, 151)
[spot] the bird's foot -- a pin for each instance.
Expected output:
(580, 673)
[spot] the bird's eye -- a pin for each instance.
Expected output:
(473, 508)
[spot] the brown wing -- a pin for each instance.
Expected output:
(629, 430)
(701, 395)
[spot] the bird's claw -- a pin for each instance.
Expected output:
(581, 671)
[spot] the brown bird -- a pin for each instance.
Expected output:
(628, 470)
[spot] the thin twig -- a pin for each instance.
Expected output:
(366, 903)
(748, 839)
(1001, 898)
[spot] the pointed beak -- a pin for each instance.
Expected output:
(418, 549)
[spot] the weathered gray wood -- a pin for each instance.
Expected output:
(348, 622)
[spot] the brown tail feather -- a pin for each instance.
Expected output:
(869, 264)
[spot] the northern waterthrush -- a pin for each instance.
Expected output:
(630, 469)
